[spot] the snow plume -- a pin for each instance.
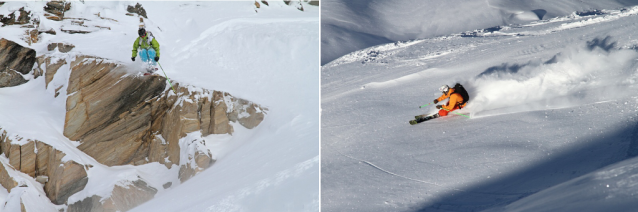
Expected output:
(581, 75)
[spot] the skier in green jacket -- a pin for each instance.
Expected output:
(150, 52)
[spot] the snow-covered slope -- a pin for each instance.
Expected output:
(553, 120)
(269, 56)
(348, 26)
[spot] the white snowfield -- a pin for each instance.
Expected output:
(269, 57)
(349, 25)
(553, 120)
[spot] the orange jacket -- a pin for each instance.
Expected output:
(455, 99)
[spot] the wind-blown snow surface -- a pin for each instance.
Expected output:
(270, 57)
(348, 25)
(553, 127)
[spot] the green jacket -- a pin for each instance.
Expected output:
(145, 45)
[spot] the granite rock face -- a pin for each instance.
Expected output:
(122, 198)
(126, 119)
(36, 158)
(15, 61)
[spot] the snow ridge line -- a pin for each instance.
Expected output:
(392, 173)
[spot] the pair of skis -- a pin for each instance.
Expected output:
(425, 117)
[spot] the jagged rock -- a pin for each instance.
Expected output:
(57, 8)
(108, 113)
(122, 199)
(23, 18)
(314, 3)
(247, 114)
(53, 17)
(257, 4)
(287, 2)
(52, 46)
(36, 158)
(123, 119)
(10, 78)
(138, 9)
(203, 160)
(265, 2)
(65, 179)
(186, 172)
(14, 58)
(65, 47)
(52, 69)
(167, 185)
(220, 124)
(28, 158)
(5, 180)
(32, 36)
(75, 31)
(62, 47)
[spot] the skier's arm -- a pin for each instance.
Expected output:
(155, 45)
(453, 100)
(443, 97)
(135, 46)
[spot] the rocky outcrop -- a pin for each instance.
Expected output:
(137, 9)
(122, 199)
(23, 18)
(5, 180)
(56, 10)
(62, 47)
(108, 113)
(36, 158)
(125, 119)
(15, 61)
(51, 68)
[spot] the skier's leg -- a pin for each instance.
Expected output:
(151, 56)
(444, 112)
(144, 55)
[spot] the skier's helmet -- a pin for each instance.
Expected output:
(141, 32)
(444, 89)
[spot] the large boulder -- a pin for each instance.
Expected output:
(15, 61)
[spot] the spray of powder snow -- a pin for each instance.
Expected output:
(585, 74)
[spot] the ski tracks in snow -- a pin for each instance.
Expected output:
(389, 172)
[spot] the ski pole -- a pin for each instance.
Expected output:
(422, 106)
(169, 80)
(456, 113)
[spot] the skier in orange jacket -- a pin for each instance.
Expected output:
(458, 99)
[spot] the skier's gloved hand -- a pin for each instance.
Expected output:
(439, 107)
(436, 101)
(156, 59)
(133, 58)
